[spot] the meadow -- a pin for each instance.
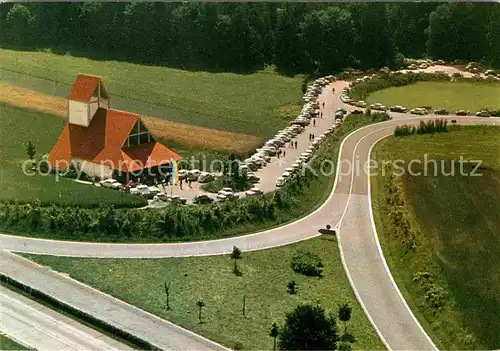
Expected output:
(256, 104)
(263, 282)
(452, 96)
(455, 222)
(187, 140)
(18, 128)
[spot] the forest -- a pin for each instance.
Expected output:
(243, 37)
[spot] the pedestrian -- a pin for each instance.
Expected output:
(314, 123)
(180, 183)
(189, 183)
(295, 143)
(284, 154)
(321, 114)
(279, 153)
(309, 136)
(323, 105)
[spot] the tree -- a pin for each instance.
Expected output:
(236, 254)
(275, 331)
(200, 305)
(344, 313)
(167, 292)
(292, 287)
(308, 328)
(31, 151)
(18, 25)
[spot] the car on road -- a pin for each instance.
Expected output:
(397, 108)
(418, 111)
(441, 111)
(462, 113)
(482, 113)
(202, 199)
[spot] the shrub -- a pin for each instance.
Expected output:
(292, 287)
(307, 263)
(238, 346)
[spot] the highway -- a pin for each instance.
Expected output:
(39, 327)
(348, 209)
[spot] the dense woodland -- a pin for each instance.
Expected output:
(296, 37)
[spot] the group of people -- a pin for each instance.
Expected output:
(311, 136)
(281, 153)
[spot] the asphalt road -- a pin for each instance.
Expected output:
(39, 327)
(347, 208)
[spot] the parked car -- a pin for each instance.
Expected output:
(205, 177)
(176, 199)
(182, 174)
(378, 107)
(441, 111)
(397, 108)
(490, 72)
(280, 182)
(193, 174)
(144, 191)
(462, 113)
(163, 197)
(252, 178)
(106, 183)
(357, 112)
(482, 113)
(254, 192)
(418, 111)
(203, 199)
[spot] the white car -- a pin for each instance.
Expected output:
(418, 111)
(221, 197)
(254, 192)
(280, 181)
(154, 190)
(107, 182)
(360, 103)
(289, 169)
(378, 107)
(143, 190)
(286, 175)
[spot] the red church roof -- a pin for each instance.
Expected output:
(84, 87)
(102, 141)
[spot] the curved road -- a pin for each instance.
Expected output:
(348, 209)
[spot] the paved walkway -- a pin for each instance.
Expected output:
(41, 328)
(143, 325)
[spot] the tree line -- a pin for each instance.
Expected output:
(296, 37)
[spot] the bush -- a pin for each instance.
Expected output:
(292, 287)
(307, 263)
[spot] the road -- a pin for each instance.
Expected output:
(347, 208)
(39, 327)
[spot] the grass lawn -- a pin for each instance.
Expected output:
(256, 104)
(449, 95)
(9, 344)
(18, 128)
(264, 280)
(456, 224)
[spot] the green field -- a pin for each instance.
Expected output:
(256, 104)
(455, 220)
(265, 276)
(9, 344)
(18, 128)
(449, 95)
